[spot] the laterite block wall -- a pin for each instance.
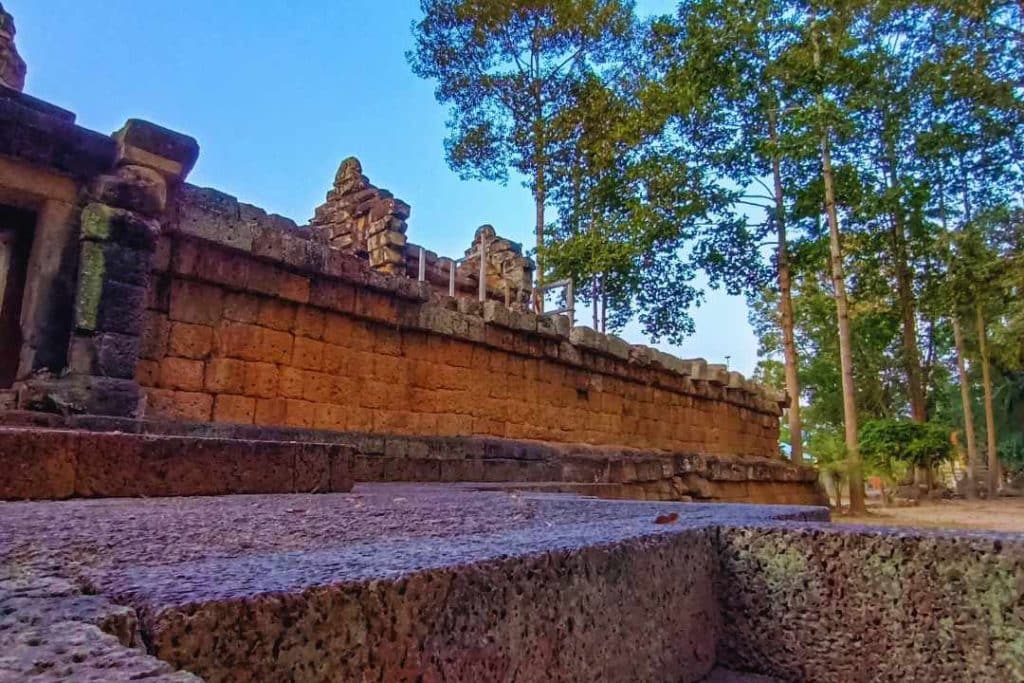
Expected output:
(251, 322)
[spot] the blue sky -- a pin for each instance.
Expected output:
(277, 93)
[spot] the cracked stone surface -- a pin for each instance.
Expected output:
(389, 582)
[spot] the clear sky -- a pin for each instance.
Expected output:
(278, 92)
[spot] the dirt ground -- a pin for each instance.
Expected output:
(1001, 514)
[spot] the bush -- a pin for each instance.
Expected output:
(892, 446)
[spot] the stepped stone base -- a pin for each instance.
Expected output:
(124, 457)
(64, 463)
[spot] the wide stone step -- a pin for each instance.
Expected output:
(62, 463)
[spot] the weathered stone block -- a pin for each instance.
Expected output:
(135, 188)
(497, 313)
(106, 354)
(617, 347)
(121, 308)
(37, 464)
(101, 222)
(147, 144)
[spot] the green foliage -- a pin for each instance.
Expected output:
(658, 146)
(508, 70)
(891, 446)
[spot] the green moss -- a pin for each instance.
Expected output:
(91, 275)
(991, 594)
(886, 572)
(97, 220)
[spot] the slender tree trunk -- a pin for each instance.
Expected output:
(990, 419)
(539, 159)
(965, 398)
(790, 359)
(911, 356)
(539, 198)
(905, 296)
(856, 475)
(594, 300)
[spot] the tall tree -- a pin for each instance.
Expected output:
(717, 69)
(506, 68)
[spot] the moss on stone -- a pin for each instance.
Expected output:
(91, 276)
(97, 220)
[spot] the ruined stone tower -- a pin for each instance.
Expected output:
(12, 66)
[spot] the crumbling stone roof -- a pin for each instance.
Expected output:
(12, 66)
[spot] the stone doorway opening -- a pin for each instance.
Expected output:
(16, 230)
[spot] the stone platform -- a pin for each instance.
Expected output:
(64, 463)
(39, 458)
(447, 582)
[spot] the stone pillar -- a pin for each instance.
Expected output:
(120, 225)
(363, 219)
(12, 66)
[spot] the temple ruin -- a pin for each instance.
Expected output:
(165, 346)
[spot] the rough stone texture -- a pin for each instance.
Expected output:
(346, 349)
(387, 583)
(720, 675)
(12, 66)
(615, 473)
(509, 274)
(395, 582)
(40, 133)
(363, 219)
(41, 463)
(824, 604)
(144, 144)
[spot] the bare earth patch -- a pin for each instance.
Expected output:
(1002, 514)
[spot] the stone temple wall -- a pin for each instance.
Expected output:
(152, 307)
(250, 321)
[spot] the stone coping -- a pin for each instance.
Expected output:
(38, 132)
(310, 272)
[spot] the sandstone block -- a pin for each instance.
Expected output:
(226, 375)
(103, 223)
(194, 302)
(182, 373)
(497, 313)
(617, 347)
(234, 409)
(189, 406)
(132, 187)
(190, 341)
(147, 144)
(106, 354)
